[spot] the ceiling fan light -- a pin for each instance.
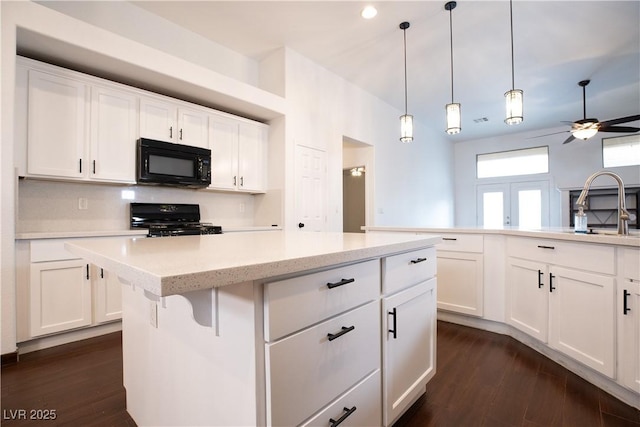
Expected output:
(453, 118)
(586, 132)
(514, 103)
(406, 128)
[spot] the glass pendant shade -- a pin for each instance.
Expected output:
(406, 128)
(453, 118)
(514, 102)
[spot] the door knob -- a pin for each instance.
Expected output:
(300, 224)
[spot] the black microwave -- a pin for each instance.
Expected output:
(164, 163)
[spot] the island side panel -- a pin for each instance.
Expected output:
(182, 373)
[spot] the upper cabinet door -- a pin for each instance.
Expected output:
(192, 127)
(158, 120)
(113, 135)
(252, 155)
(57, 126)
(223, 142)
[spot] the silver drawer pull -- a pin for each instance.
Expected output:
(340, 283)
(341, 333)
(416, 261)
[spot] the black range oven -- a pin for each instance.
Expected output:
(170, 219)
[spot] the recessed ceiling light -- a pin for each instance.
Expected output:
(369, 12)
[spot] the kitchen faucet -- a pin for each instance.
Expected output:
(623, 214)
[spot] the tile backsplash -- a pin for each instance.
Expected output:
(50, 206)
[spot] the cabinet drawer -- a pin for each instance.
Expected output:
(296, 303)
(306, 371)
(461, 243)
(360, 406)
(50, 250)
(581, 256)
(407, 269)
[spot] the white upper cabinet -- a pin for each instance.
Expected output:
(173, 122)
(238, 154)
(113, 135)
(158, 119)
(57, 126)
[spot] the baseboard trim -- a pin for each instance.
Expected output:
(596, 378)
(68, 337)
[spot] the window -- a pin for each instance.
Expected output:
(621, 151)
(527, 161)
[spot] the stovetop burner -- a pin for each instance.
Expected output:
(170, 219)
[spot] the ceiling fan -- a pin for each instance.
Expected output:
(586, 128)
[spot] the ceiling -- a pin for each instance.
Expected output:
(556, 44)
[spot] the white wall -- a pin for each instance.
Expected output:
(413, 183)
(569, 166)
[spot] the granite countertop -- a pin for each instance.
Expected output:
(176, 265)
(607, 237)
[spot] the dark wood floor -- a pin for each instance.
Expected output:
(483, 379)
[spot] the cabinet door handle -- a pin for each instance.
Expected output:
(551, 277)
(235, 180)
(80, 165)
(340, 283)
(180, 134)
(540, 274)
(242, 181)
(170, 131)
(625, 301)
(395, 325)
(416, 261)
(87, 271)
(102, 273)
(546, 247)
(341, 333)
(94, 167)
(347, 412)
(449, 238)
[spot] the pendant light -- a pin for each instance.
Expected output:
(453, 110)
(514, 97)
(406, 120)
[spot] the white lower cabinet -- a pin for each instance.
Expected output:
(461, 274)
(56, 292)
(408, 329)
(60, 296)
(570, 307)
(629, 320)
(408, 346)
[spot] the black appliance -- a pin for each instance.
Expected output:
(164, 163)
(170, 219)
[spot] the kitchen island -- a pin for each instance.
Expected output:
(273, 328)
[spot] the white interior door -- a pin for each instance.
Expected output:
(493, 205)
(310, 188)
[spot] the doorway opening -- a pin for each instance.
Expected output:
(357, 185)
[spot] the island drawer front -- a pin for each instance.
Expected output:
(407, 269)
(364, 397)
(581, 256)
(461, 243)
(306, 371)
(296, 303)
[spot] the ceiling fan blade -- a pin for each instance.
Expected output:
(620, 120)
(548, 134)
(619, 129)
(568, 140)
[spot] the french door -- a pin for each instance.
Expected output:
(517, 204)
